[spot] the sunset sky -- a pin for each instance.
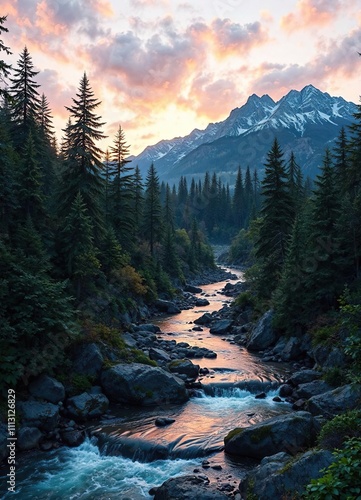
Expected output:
(164, 67)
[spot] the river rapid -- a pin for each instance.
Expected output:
(127, 455)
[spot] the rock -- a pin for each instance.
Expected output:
(129, 340)
(303, 377)
(201, 302)
(45, 416)
(335, 358)
(188, 488)
(147, 327)
(167, 306)
(205, 319)
(263, 334)
(142, 385)
(306, 391)
(184, 366)
(331, 403)
(292, 349)
(87, 405)
(277, 478)
(192, 289)
(163, 421)
(28, 438)
(4, 450)
(289, 433)
(88, 360)
(48, 388)
(277, 399)
(300, 404)
(285, 390)
(261, 395)
(46, 445)
(158, 355)
(73, 438)
(221, 327)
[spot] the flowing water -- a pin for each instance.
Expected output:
(126, 456)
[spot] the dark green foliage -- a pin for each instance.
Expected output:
(152, 214)
(4, 67)
(342, 479)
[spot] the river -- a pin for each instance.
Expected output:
(126, 456)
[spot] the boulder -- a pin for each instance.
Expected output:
(87, 405)
(306, 391)
(292, 349)
(129, 340)
(285, 391)
(205, 319)
(188, 488)
(263, 334)
(167, 306)
(45, 416)
(72, 438)
(184, 366)
(158, 355)
(221, 327)
(147, 327)
(28, 438)
(303, 377)
(88, 360)
(48, 388)
(163, 421)
(202, 302)
(339, 400)
(289, 433)
(142, 385)
(192, 289)
(276, 478)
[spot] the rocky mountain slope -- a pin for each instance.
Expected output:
(305, 122)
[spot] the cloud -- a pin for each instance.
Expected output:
(312, 13)
(232, 38)
(338, 62)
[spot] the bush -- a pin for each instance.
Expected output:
(335, 432)
(244, 299)
(342, 479)
(334, 376)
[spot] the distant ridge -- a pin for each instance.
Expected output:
(305, 121)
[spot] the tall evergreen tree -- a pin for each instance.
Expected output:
(152, 213)
(137, 203)
(26, 100)
(295, 183)
(276, 220)
(4, 67)
(340, 155)
(238, 200)
(83, 169)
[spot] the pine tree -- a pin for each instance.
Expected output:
(248, 197)
(4, 67)
(295, 183)
(340, 157)
(82, 172)
(121, 189)
(238, 200)
(276, 221)
(47, 154)
(25, 99)
(152, 214)
(137, 203)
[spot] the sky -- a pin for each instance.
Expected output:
(163, 67)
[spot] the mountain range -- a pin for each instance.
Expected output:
(305, 122)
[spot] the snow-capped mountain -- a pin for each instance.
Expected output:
(305, 122)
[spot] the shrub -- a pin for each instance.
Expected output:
(342, 479)
(334, 433)
(334, 376)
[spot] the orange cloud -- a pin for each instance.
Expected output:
(312, 13)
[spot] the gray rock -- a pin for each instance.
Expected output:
(285, 390)
(4, 451)
(87, 405)
(277, 479)
(73, 438)
(263, 334)
(88, 360)
(163, 421)
(184, 366)
(129, 340)
(313, 388)
(205, 319)
(47, 388)
(45, 416)
(303, 377)
(192, 289)
(188, 488)
(221, 327)
(292, 349)
(167, 306)
(147, 327)
(158, 355)
(335, 358)
(289, 433)
(28, 438)
(202, 302)
(142, 385)
(331, 403)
